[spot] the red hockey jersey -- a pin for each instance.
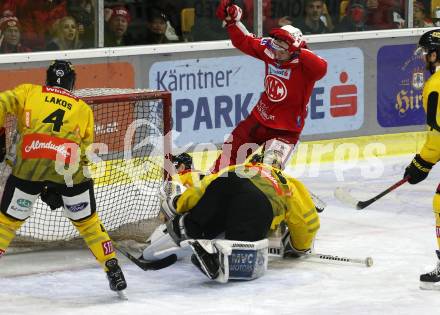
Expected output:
(288, 86)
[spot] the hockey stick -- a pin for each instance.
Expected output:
(344, 196)
(148, 264)
(368, 261)
(319, 203)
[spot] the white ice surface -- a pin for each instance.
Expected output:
(398, 231)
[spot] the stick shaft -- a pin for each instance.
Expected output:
(368, 261)
(363, 204)
(148, 265)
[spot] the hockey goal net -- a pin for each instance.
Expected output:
(135, 126)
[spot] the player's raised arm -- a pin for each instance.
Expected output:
(240, 37)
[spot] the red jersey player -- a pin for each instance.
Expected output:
(291, 72)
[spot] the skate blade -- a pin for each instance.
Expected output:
(122, 295)
(430, 286)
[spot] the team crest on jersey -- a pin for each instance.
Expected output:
(283, 73)
(275, 88)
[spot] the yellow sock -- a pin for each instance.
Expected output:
(96, 238)
(8, 227)
(436, 208)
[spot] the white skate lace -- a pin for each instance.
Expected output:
(436, 271)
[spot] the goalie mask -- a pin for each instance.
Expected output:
(62, 74)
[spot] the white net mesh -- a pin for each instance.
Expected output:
(109, 91)
(127, 177)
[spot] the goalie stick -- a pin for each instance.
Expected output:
(148, 264)
(368, 261)
(344, 196)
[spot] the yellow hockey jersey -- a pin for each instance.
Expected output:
(188, 178)
(291, 202)
(52, 124)
(431, 103)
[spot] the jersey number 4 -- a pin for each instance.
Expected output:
(56, 118)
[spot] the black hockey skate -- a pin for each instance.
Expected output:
(115, 276)
(431, 280)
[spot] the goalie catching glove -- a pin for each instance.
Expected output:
(169, 192)
(418, 170)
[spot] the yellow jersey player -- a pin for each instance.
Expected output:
(418, 169)
(243, 202)
(186, 175)
(55, 127)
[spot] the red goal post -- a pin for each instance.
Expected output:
(125, 188)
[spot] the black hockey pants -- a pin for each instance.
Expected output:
(232, 205)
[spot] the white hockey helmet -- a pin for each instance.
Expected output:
(295, 32)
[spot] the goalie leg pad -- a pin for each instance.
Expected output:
(222, 260)
(247, 260)
(161, 245)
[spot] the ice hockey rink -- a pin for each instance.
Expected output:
(398, 231)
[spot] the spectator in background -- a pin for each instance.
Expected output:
(385, 14)
(36, 18)
(172, 10)
(285, 20)
(157, 24)
(65, 35)
(10, 36)
(116, 28)
(355, 17)
(312, 21)
(84, 13)
(268, 21)
(419, 17)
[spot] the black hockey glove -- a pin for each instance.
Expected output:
(418, 170)
(2, 144)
